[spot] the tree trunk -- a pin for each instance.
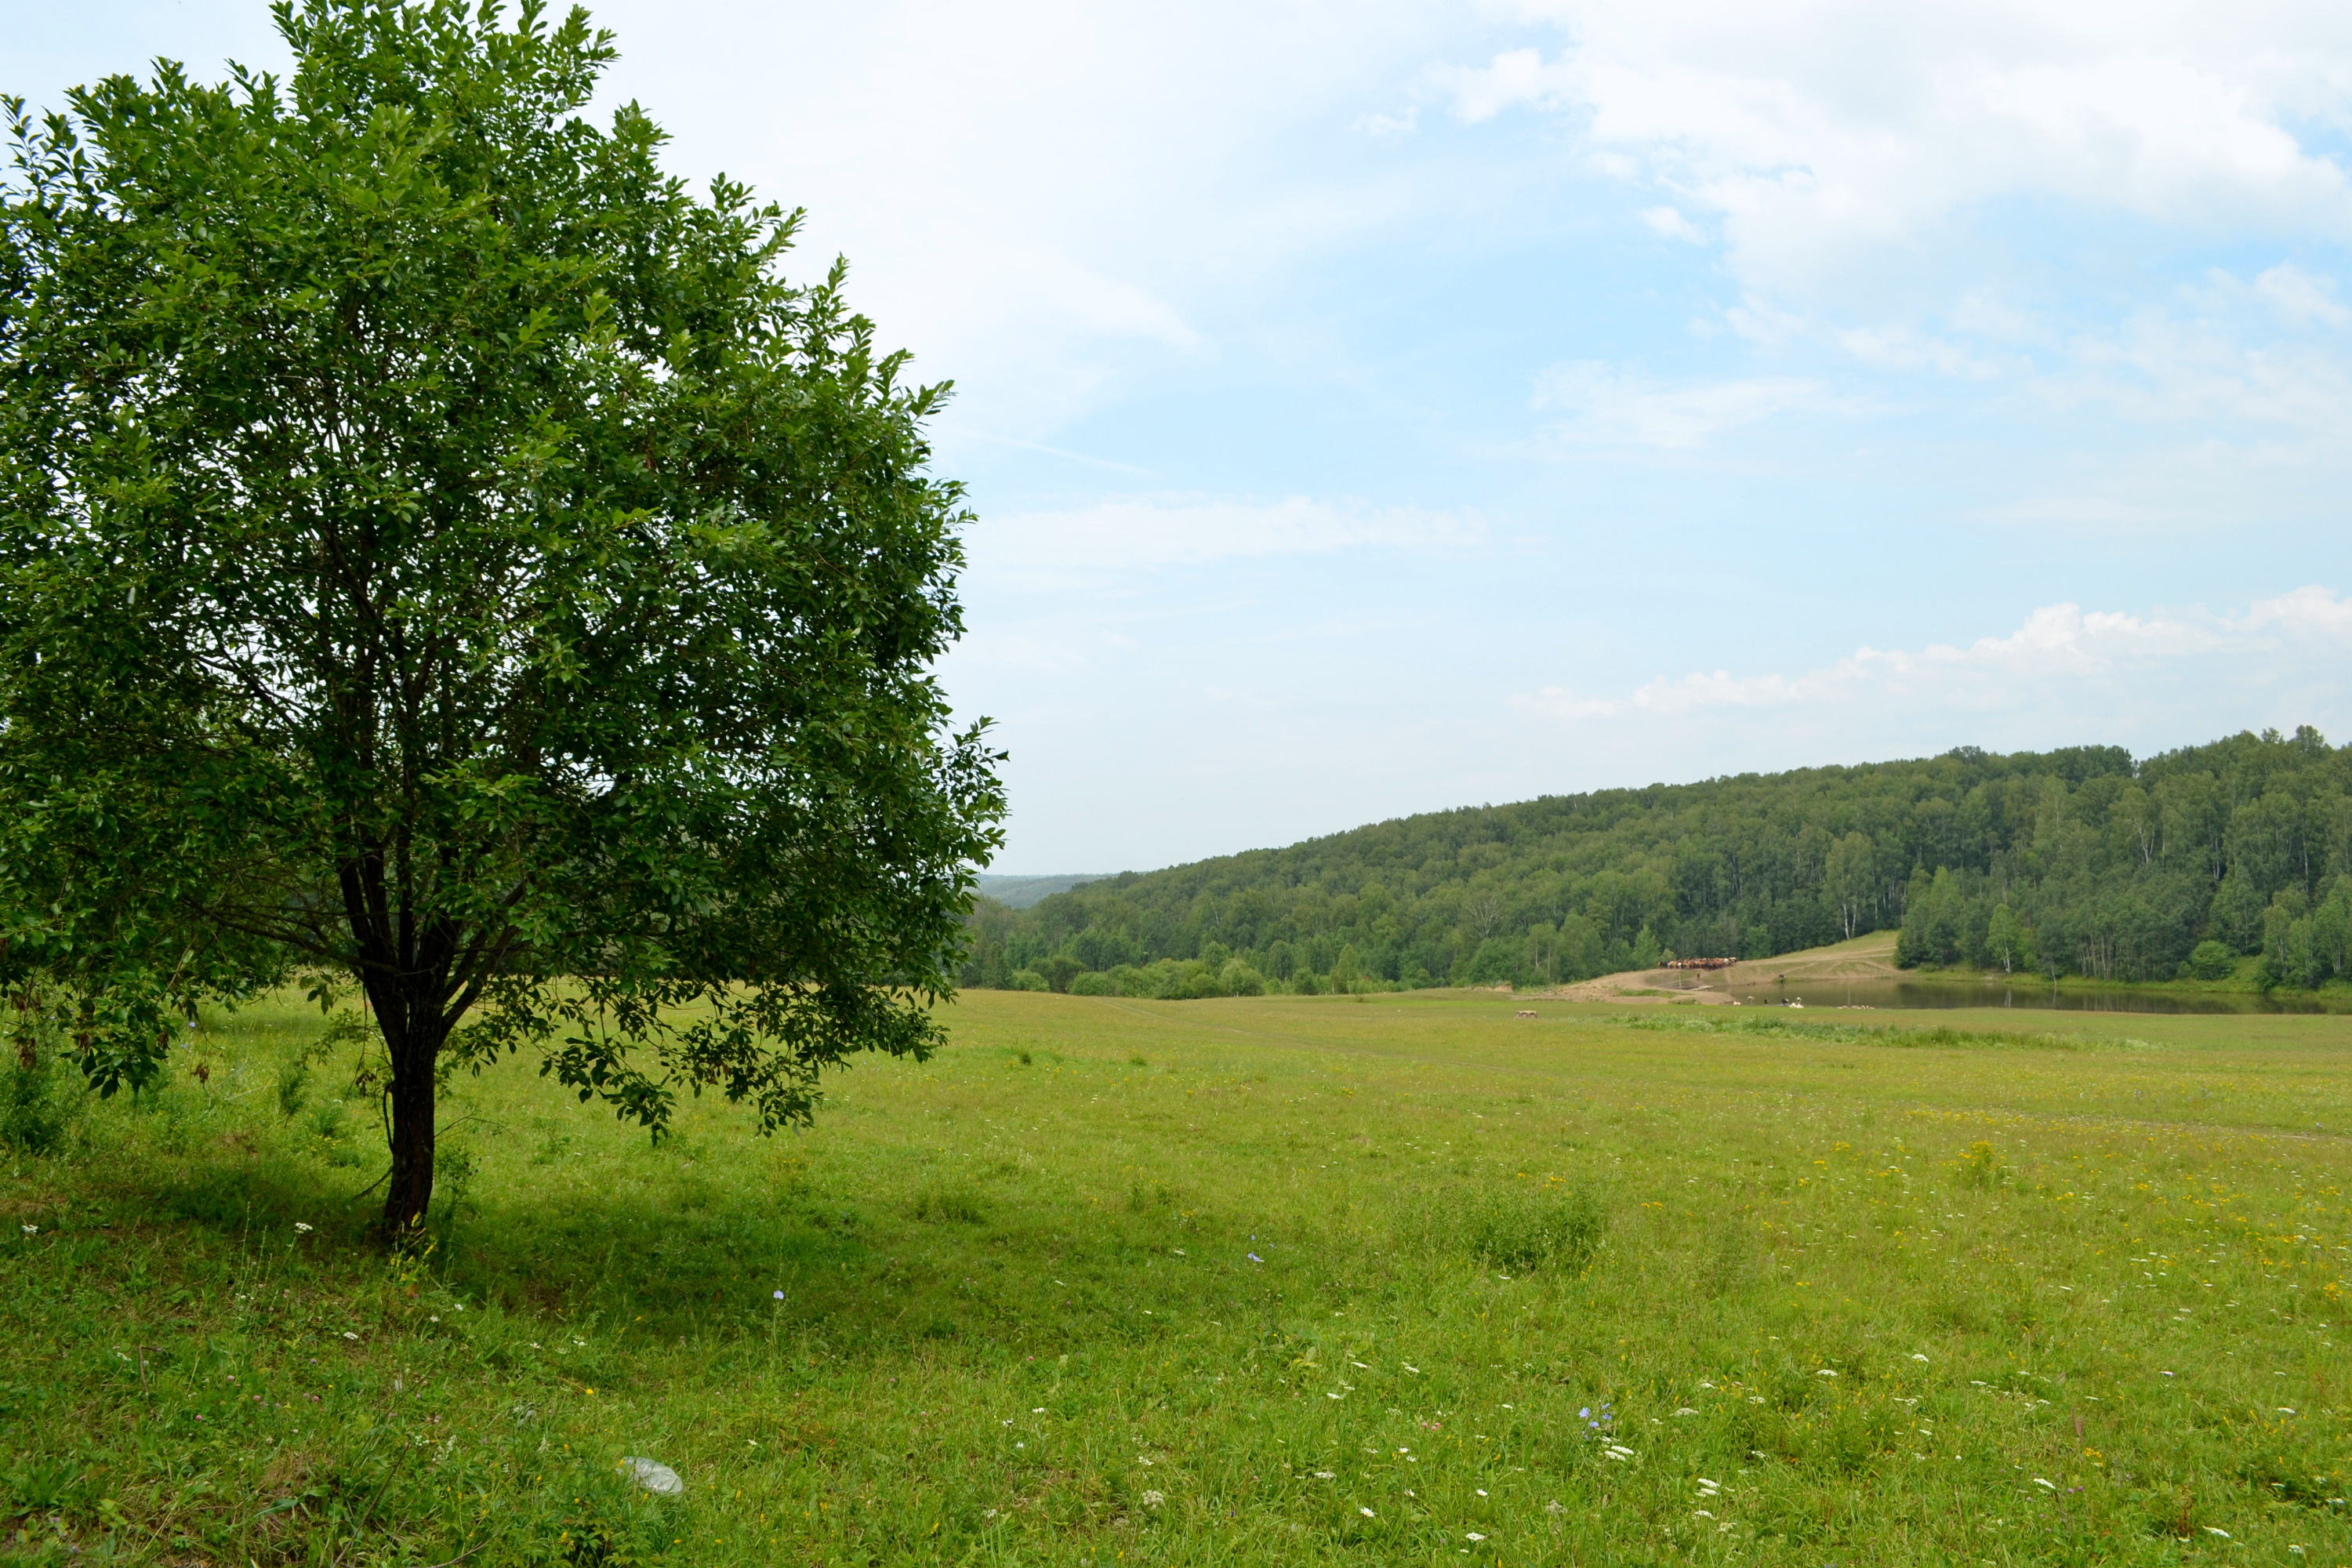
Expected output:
(414, 1053)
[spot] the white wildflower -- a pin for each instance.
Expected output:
(1472, 1535)
(303, 1229)
(1365, 1512)
(1154, 1498)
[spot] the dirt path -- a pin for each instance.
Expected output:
(1868, 957)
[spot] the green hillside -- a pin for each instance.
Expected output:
(2082, 861)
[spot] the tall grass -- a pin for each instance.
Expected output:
(1313, 1282)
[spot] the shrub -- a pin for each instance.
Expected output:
(1027, 980)
(1238, 979)
(1092, 983)
(2212, 961)
(33, 1113)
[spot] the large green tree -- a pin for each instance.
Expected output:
(440, 549)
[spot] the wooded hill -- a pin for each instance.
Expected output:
(2073, 862)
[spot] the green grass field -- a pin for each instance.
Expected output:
(1394, 1280)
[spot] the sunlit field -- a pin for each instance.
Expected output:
(1405, 1279)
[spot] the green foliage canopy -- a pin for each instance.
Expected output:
(439, 549)
(2081, 861)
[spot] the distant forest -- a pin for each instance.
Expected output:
(2078, 862)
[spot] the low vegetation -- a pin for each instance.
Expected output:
(1395, 1279)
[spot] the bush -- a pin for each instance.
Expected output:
(1238, 979)
(32, 1102)
(2212, 961)
(1027, 980)
(1092, 983)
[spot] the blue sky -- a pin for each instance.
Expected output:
(1377, 407)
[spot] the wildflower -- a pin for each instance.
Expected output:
(1917, 1357)
(779, 1295)
(303, 1229)
(2217, 1529)
(1554, 1508)
(2284, 1411)
(1325, 1476)
(1685, 1410)
(1154, 1498)
(2039, 1482)
(1701, 1513)
(1472, 1535)
(1414, 1370)
(349, 1335)
(30, 1229)
(1365, 1512)
(1254, 1258)
(1825, 1372)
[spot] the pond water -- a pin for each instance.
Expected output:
(1825, 994)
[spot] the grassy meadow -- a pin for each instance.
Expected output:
(1394, 1280)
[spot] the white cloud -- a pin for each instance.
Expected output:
(1138, 534)
(1668, 223)
(2300, 297)
(1036, 196)
(1607, 407)
(1815, 129)
(2059, 645)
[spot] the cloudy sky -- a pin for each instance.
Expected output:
(1377, 407)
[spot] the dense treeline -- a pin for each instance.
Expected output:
(2073, 862)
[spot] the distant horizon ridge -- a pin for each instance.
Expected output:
(2228, 859)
